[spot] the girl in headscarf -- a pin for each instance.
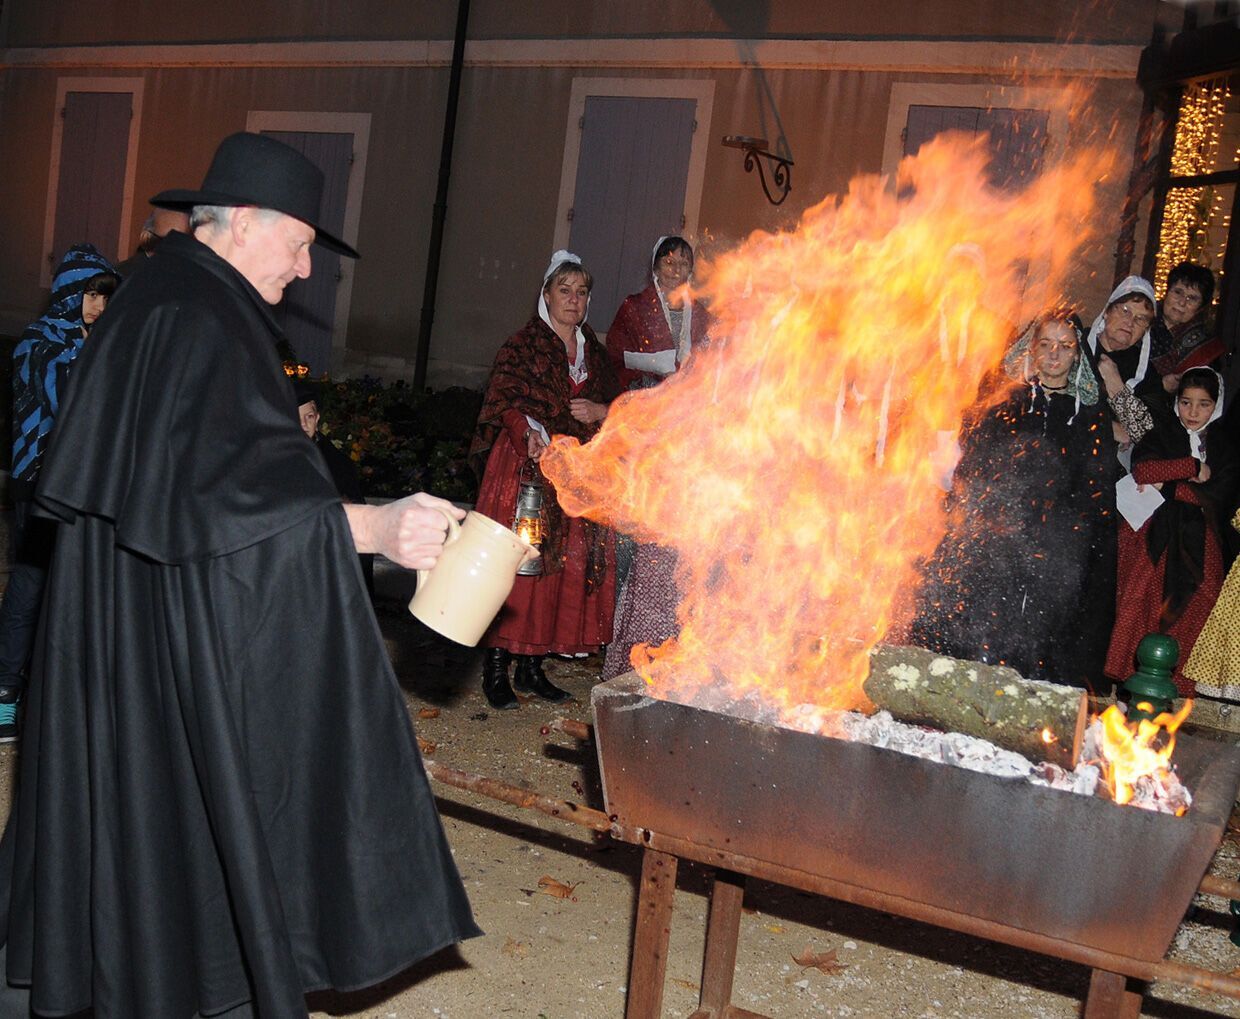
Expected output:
(1171, 569)
(1027, 516)
(656, 330)
(551, 378)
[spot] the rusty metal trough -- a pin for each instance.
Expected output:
(1070, 876)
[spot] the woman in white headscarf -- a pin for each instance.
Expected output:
(656, 329)
(550, 378)
(653, 334)
(1028, 520)
(1119, 348)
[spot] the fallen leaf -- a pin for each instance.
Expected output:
(826, 962)
(557, 889)
(773, 928)
(426, 747)
(688, 985)
(428, 712)
(515, 949)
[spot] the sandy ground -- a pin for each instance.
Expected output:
(545, 957)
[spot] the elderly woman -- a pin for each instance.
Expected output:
(1119, 348)
(552, 377)
(1027, 518)
(1181, 333)
(655, 330)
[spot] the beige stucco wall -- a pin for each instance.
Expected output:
(511, 135)
(39, 23)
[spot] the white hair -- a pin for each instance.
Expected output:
(217, 217)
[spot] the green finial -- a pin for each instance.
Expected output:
(1151, 683)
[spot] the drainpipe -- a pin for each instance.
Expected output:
(435, 247)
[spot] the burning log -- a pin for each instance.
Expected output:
(1042, 721)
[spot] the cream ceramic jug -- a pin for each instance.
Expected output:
(461, 594)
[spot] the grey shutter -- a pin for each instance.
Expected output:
(91, 187)
(630, 189)
(1017, 137)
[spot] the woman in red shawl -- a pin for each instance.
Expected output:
(551, 378)
(656, 329)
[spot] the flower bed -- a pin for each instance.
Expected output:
(401, 439)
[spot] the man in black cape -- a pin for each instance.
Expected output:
(221, 804)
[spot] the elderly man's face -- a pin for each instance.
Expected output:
(273, 251)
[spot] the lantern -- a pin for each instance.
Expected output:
(528, 521)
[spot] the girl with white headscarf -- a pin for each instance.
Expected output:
(1027, 520)
(550, 378)
(1171, 569)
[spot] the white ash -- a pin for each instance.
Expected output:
(881, 730)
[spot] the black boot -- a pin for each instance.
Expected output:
(530, 678)
(495, 680)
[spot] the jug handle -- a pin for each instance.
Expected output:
(454, 534)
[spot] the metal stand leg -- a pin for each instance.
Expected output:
(722, 931)
(648, 966)
(1111, 998)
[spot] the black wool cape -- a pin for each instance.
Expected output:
(221, 799)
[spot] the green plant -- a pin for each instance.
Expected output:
(403, 440)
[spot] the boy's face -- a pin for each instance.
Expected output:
(308, 414)
(92, 307)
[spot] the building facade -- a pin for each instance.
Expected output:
(591, 126)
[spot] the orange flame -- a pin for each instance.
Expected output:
(792, 462)
(1140, 750)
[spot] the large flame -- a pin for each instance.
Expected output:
(792, 465)
(1138, 751)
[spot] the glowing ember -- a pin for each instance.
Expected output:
(1138, 753)
(792, 464)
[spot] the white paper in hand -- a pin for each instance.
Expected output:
(1136, 502)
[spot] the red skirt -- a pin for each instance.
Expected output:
(552, 614)
(1139, 602)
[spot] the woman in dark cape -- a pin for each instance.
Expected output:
(1028, 513)
(1171, 570)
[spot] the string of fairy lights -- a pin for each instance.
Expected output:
(1196, 220)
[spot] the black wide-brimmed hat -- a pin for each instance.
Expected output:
(252, 169)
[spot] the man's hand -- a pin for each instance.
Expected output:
(410, 531)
